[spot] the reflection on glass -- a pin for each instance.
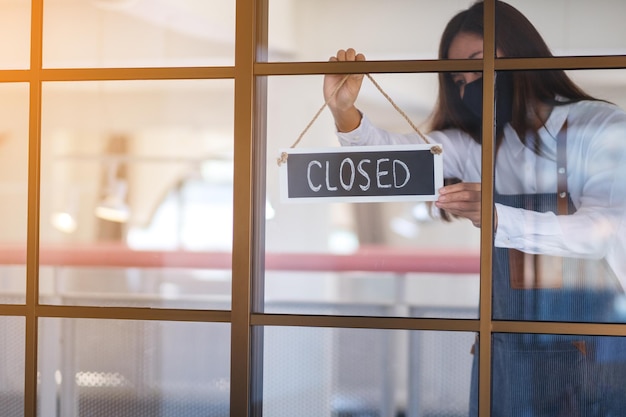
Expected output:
(577, 28)
(13, 189)
(559, 252)
(402, 29)
(12, 365)
(411, 29)
(347, 254)
(15, 25)
(552, 375)
(130, 368)
(313, 372)
(131, 33)
(137, 183)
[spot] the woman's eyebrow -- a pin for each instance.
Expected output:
(459, 74)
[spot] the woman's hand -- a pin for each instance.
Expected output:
(347, 116)
(462, 199)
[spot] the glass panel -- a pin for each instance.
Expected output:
(15, 25)
(607, 85)
(12, 367)
(137, 193)
(560, 242)
(569, 27)
(130, 33)
(381, 30)
(412, 29)
(132, 368)
(393, 254)
(552, 375)
(13, 190)
(327, 371)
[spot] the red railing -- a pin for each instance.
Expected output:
(373, 259)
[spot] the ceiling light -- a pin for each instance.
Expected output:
(114, 208)
(64, 221)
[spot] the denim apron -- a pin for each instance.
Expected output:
(537, 375)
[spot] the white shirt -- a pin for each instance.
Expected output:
(596, 180)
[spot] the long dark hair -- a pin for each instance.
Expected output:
(515, 37)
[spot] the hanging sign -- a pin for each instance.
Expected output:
(362, 173)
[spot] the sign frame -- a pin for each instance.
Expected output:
(435, 150)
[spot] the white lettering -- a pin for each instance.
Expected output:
(380, 173)
(308, 176)
(365, 174)
(328, 186)
(395, 177)
(348, 186)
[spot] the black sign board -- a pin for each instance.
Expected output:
(362, 173)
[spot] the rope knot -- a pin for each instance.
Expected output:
(282, 159)
(436, 150)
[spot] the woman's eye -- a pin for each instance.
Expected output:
(459, 83)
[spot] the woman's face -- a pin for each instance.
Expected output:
(465, 46)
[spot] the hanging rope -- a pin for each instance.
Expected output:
(283, 156)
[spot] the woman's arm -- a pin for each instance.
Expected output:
(597, 183)
(341, 104)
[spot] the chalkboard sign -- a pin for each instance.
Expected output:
(362, 173)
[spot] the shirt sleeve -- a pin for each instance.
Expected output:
(458, 148)
(368, 134)
(527, 230)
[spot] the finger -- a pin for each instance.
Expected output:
(464, 196)
(341, 55)
(460, 192)
(459, 206)
(350, 54)
(475, 186)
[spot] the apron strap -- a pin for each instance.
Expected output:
(561, 170)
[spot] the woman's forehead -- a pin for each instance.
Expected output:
(466, 45)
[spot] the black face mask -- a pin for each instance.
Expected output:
(473, 99)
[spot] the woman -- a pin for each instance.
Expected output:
(560, 212)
